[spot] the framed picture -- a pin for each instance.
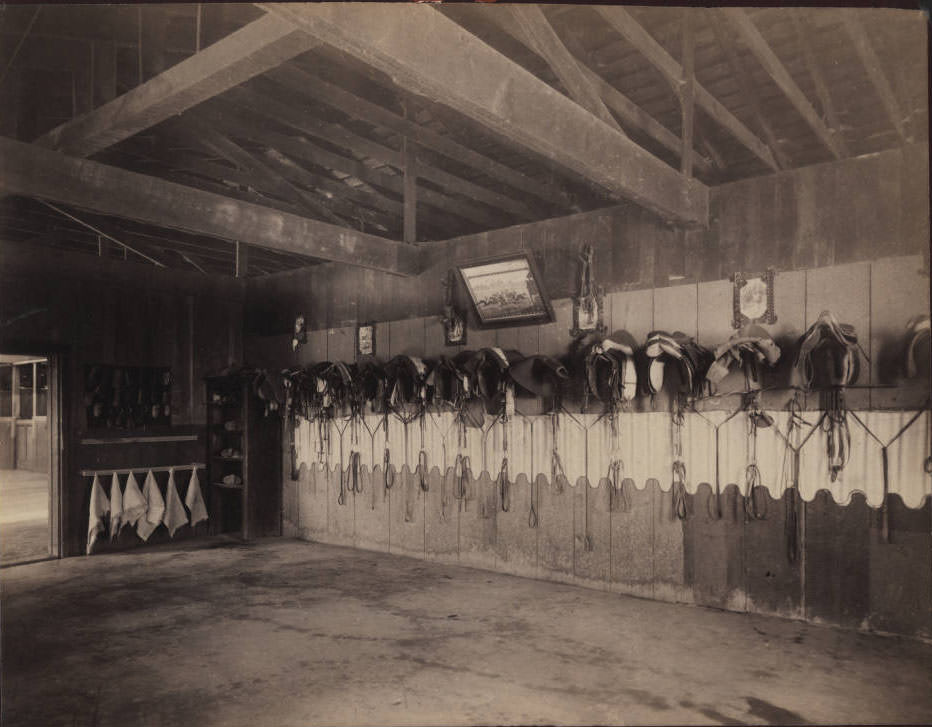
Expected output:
(454, 329)
(300, 333)
(753, 299)
(587, 315)
(365, 340)
(506, 291)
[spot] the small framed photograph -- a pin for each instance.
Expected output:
(753, 299)
(299, 337)
(587, 315)
(454, 329)
(506, 291)
(365, 340)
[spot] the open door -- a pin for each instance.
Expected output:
(30, 431)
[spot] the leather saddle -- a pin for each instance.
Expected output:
(488, 370)
(919, 340)
(538, 384)
(447, 385)
(827, 356)
(607, 365)
(406, 384)
(691, 361)
(333, 387)
(371, 385)
(270, 387)
(751, 348)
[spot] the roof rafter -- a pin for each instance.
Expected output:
(502, 96)
(755, 43)
(629, 28)
(874, 69)
(536, 27)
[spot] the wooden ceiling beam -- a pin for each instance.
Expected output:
(875, 72)
(247, 52)
(455, 68)
(687, 91)
(632, 31)
(536, 27)
(761, 50)
(33, 171)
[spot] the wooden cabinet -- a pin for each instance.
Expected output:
(244, 447)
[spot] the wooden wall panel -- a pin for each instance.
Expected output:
(632, 542)
(341, 524)
(668, 547)
(555, 539)
(406, 516)
(893, 302)
(837, 560)
(341, 344)
(773, 583)
(478, 524)
(371, 512)
(592, 561)
(442, 518)
(405, 337)
(900, 588)
(713, 548)
(516, 541)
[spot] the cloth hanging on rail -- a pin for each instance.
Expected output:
(116, 506)
(99, 507)
(175, 515)
(134, 504)
(155, 509)
(194, 500)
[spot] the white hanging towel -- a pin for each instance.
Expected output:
(116, 506)
(175, 516)
(134, 504)
(156, 508)
(195, 500)
(100, 506)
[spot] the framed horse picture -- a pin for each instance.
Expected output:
(506, 291)
(753, 299)
(365, 340)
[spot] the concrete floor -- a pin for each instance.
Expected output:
(284, 632)
(24, 516)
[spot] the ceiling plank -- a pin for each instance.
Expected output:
(372, 113)
(629, 28)
(756, 43)
(339, 136)
(33, 171)
(746, 87)
(247, 52)
(536, 27)
(628, 111)
(454, 67)
(818, 79)
(875, 72)
(264, 177)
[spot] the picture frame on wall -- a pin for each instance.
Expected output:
(505, 291)
(752, 300)
(454, 329)
(365, 339)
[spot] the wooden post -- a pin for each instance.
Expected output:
(241, 259)
(410, 187)
(687, 93)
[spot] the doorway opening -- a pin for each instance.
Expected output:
(26, 435)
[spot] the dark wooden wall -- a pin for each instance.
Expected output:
(98, 311)
(855, 210)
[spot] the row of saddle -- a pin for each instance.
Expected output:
(609, 369)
